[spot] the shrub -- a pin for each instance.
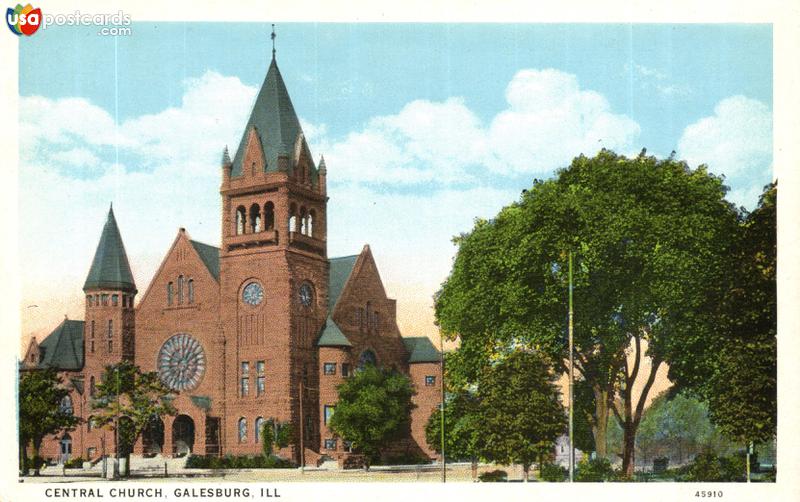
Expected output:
(494, 476)
(709, 467)
(35, 463)
(594, 470)
(553, 473)
(406, 458)
(74, 463)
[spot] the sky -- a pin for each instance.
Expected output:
(424, 127)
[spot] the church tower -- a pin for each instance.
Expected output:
(273, 273)
(110, 292)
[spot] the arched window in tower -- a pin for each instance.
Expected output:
(180, 290)
(169, 294)
(293, 218)
(303, 221)
(312, 215)
(190, 285)
(269, 216)
(240, 217)
(255, 218)
(242, 430)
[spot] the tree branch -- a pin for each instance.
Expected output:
(638, 359)
(646, 390)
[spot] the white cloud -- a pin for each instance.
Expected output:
(653, 79)
(735, 142)
(549, 119)
(76, 157)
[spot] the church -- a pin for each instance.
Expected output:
(266, 326)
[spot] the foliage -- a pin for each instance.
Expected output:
(742, 388)
(374, 408)
(495, 476)
(127, 399)
(238, 462)
(649, 239)
(553, 473)
(74, 463)
(37, 462)
(462, 427)
(40, 413)
(275, 435)
(520, 411)
(709, 467)
(595, 470)
(407, 458)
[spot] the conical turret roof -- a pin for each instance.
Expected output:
(110, 267)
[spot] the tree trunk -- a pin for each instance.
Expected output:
(23, 450)
(474, 468)
(600, 427)
(629, 451)
(35, 452)
(525, 470)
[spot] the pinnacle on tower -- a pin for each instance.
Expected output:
(226, 157)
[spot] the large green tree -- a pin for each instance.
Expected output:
(737, 371)
(374, 408)
(649, 239)
(520, 409)
(127, 400)
(41, 395)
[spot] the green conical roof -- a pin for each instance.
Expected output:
(275, 122)
(110, 268)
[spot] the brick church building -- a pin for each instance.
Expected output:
(265, 326)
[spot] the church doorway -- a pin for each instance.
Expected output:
(182, 435)
(153, 437)
(66, 448)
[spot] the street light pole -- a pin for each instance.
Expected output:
(571, 379)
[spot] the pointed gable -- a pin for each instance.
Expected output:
(110, 268)
(63, 348)
(275, 123)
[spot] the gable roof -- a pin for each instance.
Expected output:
(110, 268)
(421, 350)
(332, 336)
(210, 256)
(340, 271)
(63, 348)
(275, 122)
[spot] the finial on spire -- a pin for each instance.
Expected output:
(273, 41)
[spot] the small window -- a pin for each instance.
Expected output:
(260, 367)
(328, 413)
(242, 430)
(329, 368)
(104, 299)
(114, 300)
(66, 405)
(169, 294)
(245, 386)
(92, 387)
(347, 445)
(258, 427)
(90, 300)
(91, 452)
(90, 424)
(430, 381)
(180, 290)
(245, 367)
(330, 444)
(191, 290)
(345, 369)
(110, 335)
(261, 385)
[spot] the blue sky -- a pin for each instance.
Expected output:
(424, 127)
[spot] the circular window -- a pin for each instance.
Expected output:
(181, 362)
(253, 294)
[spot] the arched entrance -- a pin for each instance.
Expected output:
(182, 435)
(153, 437)
(66, 448)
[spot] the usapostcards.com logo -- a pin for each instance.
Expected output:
(23, 20)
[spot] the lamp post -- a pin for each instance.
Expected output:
(571, 379)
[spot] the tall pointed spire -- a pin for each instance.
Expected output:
(110, 268)
(273, 42)
(274, 121)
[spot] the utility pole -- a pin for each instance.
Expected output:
(444, 458)
(571, 378)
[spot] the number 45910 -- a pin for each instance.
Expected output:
(708, 494)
